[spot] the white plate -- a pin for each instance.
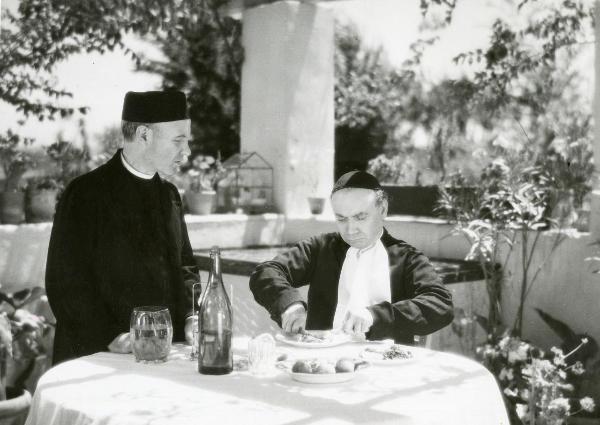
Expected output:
(376, 358)
(322, 378)
(336, 339)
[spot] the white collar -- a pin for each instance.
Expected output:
(132, 170)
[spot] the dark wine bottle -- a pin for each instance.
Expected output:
(215, 321)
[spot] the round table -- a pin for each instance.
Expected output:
(107, 389)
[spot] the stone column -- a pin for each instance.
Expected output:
(287, 98)
(595, 204)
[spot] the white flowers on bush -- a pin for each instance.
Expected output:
(587, 404)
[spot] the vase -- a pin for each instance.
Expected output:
(41, 205)
(201, 203)
(15, 408)
(12, 207)
(316, 205)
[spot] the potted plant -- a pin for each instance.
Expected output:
(22, 345)
(42, 192)
(204, 175)
(41, 197)
(15, 163)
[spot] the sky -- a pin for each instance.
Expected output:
(101, 81)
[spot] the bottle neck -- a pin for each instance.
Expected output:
(215, 272)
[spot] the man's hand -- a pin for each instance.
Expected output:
(358, 321)
(191, 323)
(293, 319)
(121, 344)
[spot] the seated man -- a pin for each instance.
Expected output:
(362, 280)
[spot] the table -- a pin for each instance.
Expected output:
(110, 389)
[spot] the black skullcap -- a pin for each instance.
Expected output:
(154, 106)
(356, 180)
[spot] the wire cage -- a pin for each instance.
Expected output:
(248, 185)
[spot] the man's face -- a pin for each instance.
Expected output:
(359, 219)
(168, 149)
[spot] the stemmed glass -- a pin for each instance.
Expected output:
(196, 292)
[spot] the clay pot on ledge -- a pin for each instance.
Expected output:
(12, 207)
(316, 205)
(201, 203)
(41, 205)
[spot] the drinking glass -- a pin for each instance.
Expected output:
(196, 293)
(151, 333)
(261, 355)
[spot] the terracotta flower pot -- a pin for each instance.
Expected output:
(41, 205)
(15, 408)
(12, 207)
(316, 205)
(201, 203)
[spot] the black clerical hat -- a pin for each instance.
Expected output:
(357, 180)
(154, 106)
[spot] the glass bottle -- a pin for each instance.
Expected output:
(215, 321)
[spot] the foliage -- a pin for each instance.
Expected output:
(205, 60)
(536, 384)
(366, 95)
(15, 160)
(507, 202)
(21, 334)
(205, 173)
(45, 32)
(70, 160)
(109, 141)
(392, 170)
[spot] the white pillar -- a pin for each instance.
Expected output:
(287, 98)
(595, 204)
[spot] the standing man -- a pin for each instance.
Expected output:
(119, 239)
(362, 280)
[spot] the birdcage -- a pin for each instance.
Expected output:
(248, 185)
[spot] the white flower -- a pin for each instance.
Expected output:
(577, 368)
(522, 410)
(519, 353)
(587, 404)
(560, 405)
(509, 392)
(525, 394)
(503, 343)
(506, 374)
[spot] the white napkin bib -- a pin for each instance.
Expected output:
(364, 281)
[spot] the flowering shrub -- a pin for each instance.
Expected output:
(537, 384)
(204, 173)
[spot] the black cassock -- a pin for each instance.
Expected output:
(118, 241)
(420, 302)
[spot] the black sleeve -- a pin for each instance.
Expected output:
(273, 283)
(72, 290)
(428, 306)
(189, 269)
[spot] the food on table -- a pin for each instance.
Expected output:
(324, 366)
(393, 352)
(302, 366)
(313, 337)
(344, 365)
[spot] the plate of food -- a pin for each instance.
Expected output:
(323, 371)
(314, 339)
(388, 355)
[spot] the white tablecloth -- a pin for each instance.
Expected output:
(110, 389)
